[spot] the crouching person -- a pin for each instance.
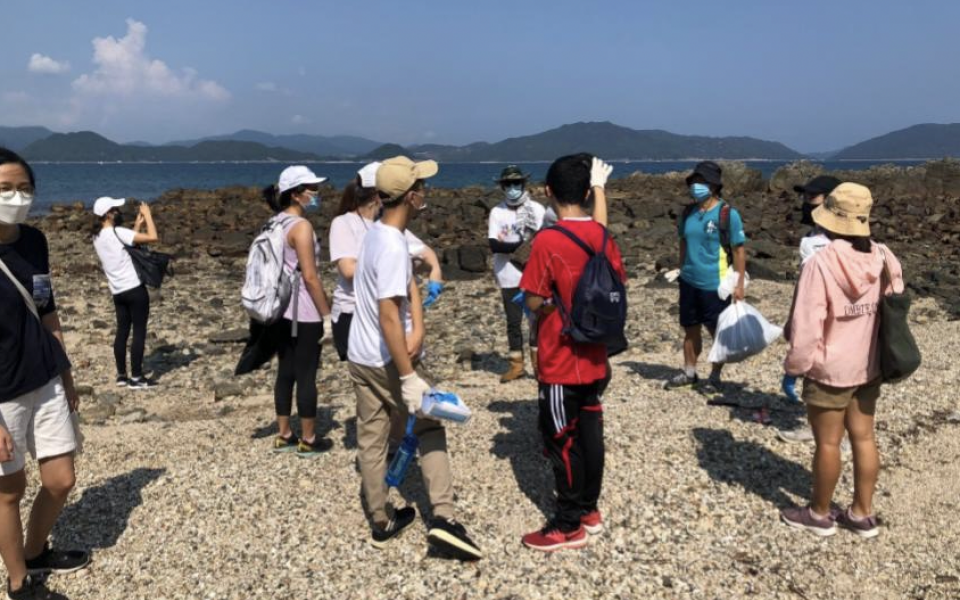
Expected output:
(386, 337)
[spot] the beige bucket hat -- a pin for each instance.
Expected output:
(846, 211)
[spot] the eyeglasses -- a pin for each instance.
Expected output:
(27, 193)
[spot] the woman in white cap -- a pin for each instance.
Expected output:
(833, 347)
(358, 210)
(297, 192)
(37, 394)
(130, 297)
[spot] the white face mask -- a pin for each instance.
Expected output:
(14, 207)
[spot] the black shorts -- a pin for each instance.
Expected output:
(700, 307)
(341, 334)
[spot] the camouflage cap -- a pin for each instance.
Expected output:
(512, 173)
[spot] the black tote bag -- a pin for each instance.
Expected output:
(151, 267)
(899, 354)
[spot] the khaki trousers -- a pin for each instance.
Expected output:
(378, 401)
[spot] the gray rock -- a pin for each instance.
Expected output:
(231, 336)
(226, 389)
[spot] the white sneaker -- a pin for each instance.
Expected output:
(794, 436)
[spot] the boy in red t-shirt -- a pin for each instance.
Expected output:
(572, 376)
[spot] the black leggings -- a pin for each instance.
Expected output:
(299, 362)
(133, 308)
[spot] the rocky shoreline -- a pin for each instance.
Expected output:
(179, 497)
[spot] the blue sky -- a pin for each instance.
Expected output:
(815, 75)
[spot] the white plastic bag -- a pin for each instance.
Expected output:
(729, 283)
(741, 332)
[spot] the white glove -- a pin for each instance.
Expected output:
(599, 172)
(412, 389)
(327, 329)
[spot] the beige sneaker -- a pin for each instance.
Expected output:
(794, 436)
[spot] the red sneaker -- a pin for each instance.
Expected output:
(592, 522)
(550, 539)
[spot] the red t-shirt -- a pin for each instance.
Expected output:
(556, 262)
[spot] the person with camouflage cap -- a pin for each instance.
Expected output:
(512, 224)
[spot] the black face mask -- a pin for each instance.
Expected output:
(807, 213)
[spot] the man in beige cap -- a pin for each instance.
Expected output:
(386, 339)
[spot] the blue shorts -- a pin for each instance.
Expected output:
(700, 307)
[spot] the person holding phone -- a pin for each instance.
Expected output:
(37, 394)
(130, 297)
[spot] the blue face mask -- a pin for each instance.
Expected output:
(700, 191)
(514, 192)
(314, 204)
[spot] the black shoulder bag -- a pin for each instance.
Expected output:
(899, 354)
(151, 266)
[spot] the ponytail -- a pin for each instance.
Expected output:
(276, 200)
(354, 196)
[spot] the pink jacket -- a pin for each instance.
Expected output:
(834, 323)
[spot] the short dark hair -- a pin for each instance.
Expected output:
(569, 178)
(9, 156)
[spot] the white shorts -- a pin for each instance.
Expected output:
(38, 421)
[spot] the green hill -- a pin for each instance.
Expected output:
(928, 140)
(18, 138)
(611, 142)
(87, 146)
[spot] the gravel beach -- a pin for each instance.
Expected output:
(179, 496)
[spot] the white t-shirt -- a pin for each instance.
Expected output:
(814, 242)
(504, 226)
(383, 271)
(346, 238)
(115, 260)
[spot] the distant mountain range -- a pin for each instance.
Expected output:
(86, 146)
(929, 140)
(611, 142)
(602, 138)
(333, 146)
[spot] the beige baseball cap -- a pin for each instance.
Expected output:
(397, 175)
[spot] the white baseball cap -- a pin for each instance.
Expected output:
(297, 175)
(104, 204)
(368, 175)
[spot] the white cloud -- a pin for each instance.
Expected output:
(15, 97)
(123, 68)
(44, 64)
(300, 120)
(267, 86)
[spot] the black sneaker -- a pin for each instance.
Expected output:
(451, 538)
(282, 444)
(141, 383)
(57, 561)
(33, 589)
(123, 381)
(402, 518)
(319, 445)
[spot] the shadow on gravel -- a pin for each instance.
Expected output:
(521, 444)
(490, 362)
(324, 425)
(751, 466)
(160, 362)
(650, 371)
(100, 517)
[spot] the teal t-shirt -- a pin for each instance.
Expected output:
(706, 263)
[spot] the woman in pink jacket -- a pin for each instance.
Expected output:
(833, 346)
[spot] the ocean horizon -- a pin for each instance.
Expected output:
(71, 182)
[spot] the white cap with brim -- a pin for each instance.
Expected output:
(296, 176)
(368, 175)
(105, 204)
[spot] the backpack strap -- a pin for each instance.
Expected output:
(590, 251)
(23, 291)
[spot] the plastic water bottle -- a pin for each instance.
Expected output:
(404, 456)
(445, 405)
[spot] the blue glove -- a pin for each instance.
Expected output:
(521, 299)
(789, 387)
(433, 292)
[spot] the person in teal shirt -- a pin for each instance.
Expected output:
(705, 262)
